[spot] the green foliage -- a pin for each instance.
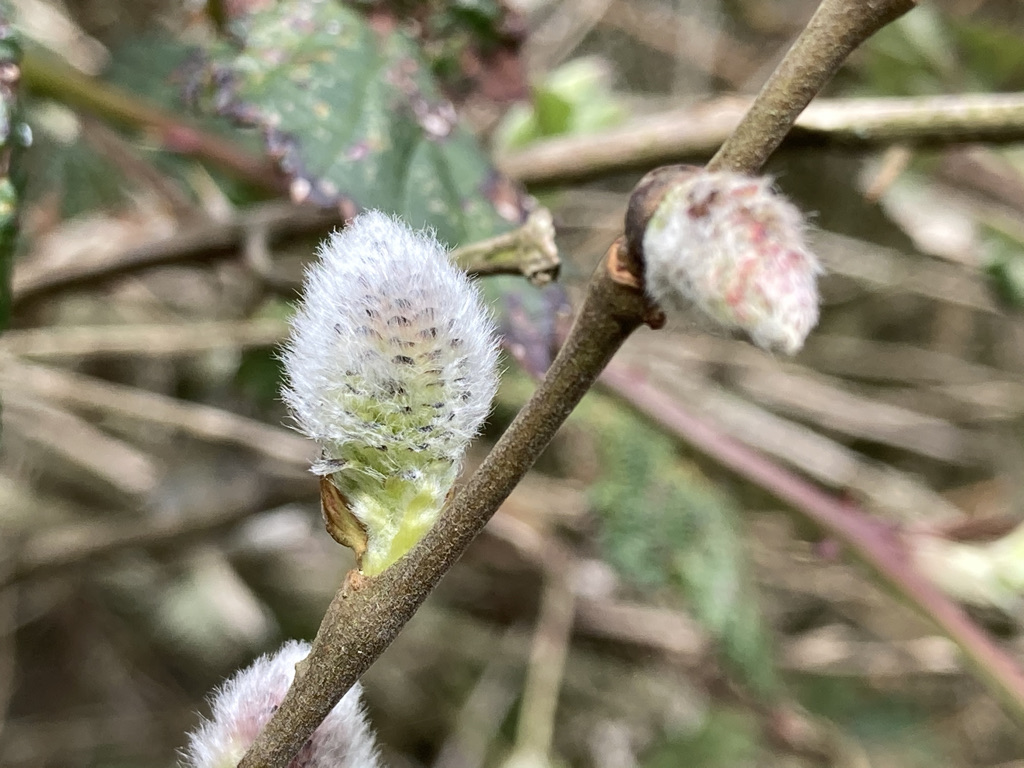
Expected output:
(912, 56)
(885, 723)
(1004, 263)
(664, 526)
(576, 98)
(12, 137)
(65, 167)
(992, 55)
(455, 26)
(728, 738)
(353, 115)
(928, 52)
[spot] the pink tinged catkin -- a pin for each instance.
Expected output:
(245, 704)
(729, 245)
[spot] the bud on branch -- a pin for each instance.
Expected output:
(729, 245)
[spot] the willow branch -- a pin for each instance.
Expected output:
(367, 614)
(835, 30)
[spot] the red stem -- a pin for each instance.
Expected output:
(875, 544)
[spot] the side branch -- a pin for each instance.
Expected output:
(367, 614)
(696, 131)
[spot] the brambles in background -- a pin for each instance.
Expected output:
(245, 703)
(731, 246)
(391, 366)
(354, 118)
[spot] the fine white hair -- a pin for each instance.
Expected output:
(391, 346)
(244, 704)
(731, 246)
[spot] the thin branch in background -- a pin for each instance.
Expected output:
(479, 719)
(196, 243)
(826, 402)
(552, 636)
(137, 168)
(48, 75)
(8, 640)
(528, 250)
(157, 340)
(563, 29)
(54, 552)
(121, 467)
(695, 132)
(894, 493)
(663, 29)
(871, 542)
(202, 421)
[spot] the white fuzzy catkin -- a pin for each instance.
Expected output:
(245, 703)
(391, 368)
(731, 246)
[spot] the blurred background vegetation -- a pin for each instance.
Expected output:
(633, 603)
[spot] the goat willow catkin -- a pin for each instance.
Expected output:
(246, 702)
(391, 367)
(729, 245)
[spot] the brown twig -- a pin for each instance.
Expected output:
(871, 542)
(56, 551)
(528, 250)
(120, 467)
(201, 421)
(156, 340)
(552, 637)
(203, 242)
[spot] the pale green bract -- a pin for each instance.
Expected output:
(391, 366)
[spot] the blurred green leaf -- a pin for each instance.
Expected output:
(663, 525)
(62, 169)
(353, 115)
(728, 738)
(576, 98)
(1004, 264)
(993, 56)
(913, 56)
